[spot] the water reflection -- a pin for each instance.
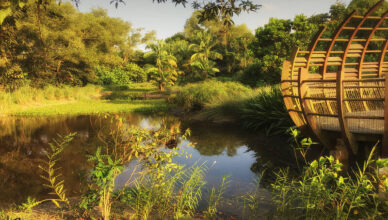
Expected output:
(227, 150)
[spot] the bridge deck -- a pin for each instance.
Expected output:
(356, 126)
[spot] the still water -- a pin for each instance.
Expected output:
(227, 150)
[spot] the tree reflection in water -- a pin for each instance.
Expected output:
(23, 139)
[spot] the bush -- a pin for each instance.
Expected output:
(195, 96)
(135, 72)
(115, 77)
(255, 76)
(266, 111)
(121, 76)
(260, 109)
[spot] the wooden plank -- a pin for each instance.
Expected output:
(356, 47)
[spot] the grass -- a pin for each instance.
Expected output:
(196, 96)
(255, 109)
(67, 100)
(92, 107)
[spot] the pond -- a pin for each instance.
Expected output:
(226, 149)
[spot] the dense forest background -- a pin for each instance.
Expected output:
(54, 43)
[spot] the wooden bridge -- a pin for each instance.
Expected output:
(336, 88)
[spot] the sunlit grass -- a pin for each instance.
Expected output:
(90, 99)
(91, 107)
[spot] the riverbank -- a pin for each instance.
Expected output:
(86, 100)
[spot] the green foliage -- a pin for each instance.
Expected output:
(51, 176)
(251, 201)
(47, 44)
(131, 73)
(165, 70)
(196, 96)
(27, 95)
(258, 109)
(216, 195)
(275, 42)
(254, 76)
(323, 190)
(29, 204)
(103, 174)
(136, 73)
(266, 111)
(202, 59)
(124, 144)
(172, 192)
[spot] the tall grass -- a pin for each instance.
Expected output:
(266, 111)
(196, 96)
(166, 195)
(33, 96)
(256, 109)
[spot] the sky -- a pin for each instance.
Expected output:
(167, 19)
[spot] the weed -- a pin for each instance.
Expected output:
(51, 171)
(323, 191)
(216, 195)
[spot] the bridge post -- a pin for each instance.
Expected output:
(384, 151)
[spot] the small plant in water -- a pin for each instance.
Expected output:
(216, 195)
(103, 175)
(301, 146)
(51, 175)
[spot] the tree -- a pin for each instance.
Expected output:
(165, 72)
(211, 8)
(60, 45)
(128, 51)
(203, 56)
(178, 46)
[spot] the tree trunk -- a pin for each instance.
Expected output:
(161, 87)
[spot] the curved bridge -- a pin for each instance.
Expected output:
(336, 89)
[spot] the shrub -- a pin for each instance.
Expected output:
(255, 76)
(258, 109)
(196, 96)
(266, 110)
(120, 76)
(116, 77)
(135, 72)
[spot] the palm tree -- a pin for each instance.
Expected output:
(203, 56)
(165, 72)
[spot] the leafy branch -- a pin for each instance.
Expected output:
(50, 170)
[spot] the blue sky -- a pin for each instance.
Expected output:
(166, 19)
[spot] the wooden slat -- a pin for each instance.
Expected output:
(356, 47)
